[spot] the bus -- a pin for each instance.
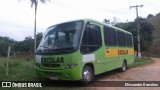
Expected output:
(81, 49)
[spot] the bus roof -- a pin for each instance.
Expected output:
(108, 25)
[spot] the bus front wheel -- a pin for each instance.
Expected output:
(87, 75)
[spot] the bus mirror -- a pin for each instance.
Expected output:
(49, 40)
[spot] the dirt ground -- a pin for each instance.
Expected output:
(149, 72)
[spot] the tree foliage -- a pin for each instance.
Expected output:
(158, 14)
(150, 16)
(27, 44)
(22, 46)
(4, 43)
(113, 21)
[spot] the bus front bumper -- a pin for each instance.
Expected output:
(53, 74)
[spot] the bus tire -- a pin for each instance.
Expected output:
(87, 75)
(124, 66)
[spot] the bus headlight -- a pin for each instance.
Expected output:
(69, 66)
(73, 65)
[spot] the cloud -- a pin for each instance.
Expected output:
(17, 18)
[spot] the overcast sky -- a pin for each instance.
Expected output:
(17, 18)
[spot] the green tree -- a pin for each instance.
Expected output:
(4, 43)
(146, 33)
(25, 46)
(28, 44)
(107, 21)
(158, 14)
(35, 4)
(3, 48)
(150, 16)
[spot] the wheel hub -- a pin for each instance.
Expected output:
(86, 75)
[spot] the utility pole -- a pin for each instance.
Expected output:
(138, 27)
(9, 49)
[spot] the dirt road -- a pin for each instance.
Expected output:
(149, 72)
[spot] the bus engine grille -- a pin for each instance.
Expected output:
(51, 65)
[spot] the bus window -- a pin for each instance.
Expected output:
(121, 39)
(110, 36)
(129, 40)
(91, 39)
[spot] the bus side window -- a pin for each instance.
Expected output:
(91, 39)
(110, 37)
(121, 39)
(129, 40)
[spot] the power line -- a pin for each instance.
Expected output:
(138, 27)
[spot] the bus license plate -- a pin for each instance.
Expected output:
(53, 78)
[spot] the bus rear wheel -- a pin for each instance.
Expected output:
(87, 75)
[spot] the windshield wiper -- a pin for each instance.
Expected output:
(45, 47)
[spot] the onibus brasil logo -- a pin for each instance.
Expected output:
(20, 84)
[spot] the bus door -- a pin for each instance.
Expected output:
(91, 46)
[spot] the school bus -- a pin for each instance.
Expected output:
(81, 49)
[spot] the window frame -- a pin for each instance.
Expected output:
(129, 40)
(121, 38)
(112, 41)
(99, 37)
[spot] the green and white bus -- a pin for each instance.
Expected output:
(79, 50)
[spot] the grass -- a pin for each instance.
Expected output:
(18, 69)
(141, 62)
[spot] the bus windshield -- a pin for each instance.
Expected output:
(61, 38)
